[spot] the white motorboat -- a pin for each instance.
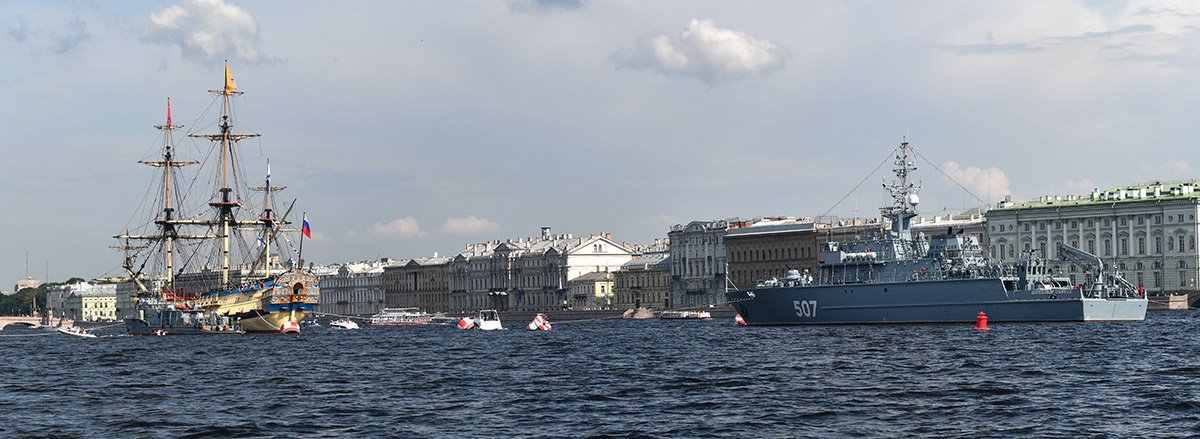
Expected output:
(345, 323)
(401, 317)
(685, 314)
(75, 332)
(488, 320)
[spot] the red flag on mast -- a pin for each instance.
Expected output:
(168, 111)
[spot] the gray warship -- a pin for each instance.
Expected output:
(891, 276)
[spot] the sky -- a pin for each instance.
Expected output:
(408, 128)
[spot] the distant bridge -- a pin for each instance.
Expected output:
(30, 321)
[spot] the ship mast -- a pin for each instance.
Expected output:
(225, 204)
(903, 193)
(268, 219)
(167, 232)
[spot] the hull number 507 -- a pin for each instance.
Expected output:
(805, 308)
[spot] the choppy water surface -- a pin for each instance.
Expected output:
(648, 378)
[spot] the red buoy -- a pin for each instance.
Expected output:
(289, 328)
(738, 318)
(981, 322)
(466, 323)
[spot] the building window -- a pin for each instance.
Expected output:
(1141, 220)
(1141, 246)
(1181, 241)
(1091, 246)
(1183, 281)
(1125, 246)
(1107, 247)
(1158, 220)
(1158, 279)
(1157, 244)
(1122, 221)
(1089, 223)
(1074, 224)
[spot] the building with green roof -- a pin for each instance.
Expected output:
(1145, 231)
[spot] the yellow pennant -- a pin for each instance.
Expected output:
(230, 86)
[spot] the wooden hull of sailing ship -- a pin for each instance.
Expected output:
(267, 305)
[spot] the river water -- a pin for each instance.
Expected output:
(645, 378)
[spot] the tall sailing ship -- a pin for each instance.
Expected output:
(193, 268)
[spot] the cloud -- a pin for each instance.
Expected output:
(1139, 31)
(989, 184)
(78, 35)
(470, 225)
(1111, 39)
(207, 30)
(400, 228)
(544, 6)
(1168, 170)
(21, 32)
(705, 52)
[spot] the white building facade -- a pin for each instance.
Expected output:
(83, 301)
(529, 274)
(699, 272)
(1147, 232)
(354, 288)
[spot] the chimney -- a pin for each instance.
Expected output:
(608, 236)
(545, 232)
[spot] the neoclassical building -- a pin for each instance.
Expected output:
(643, 281)
(83, 301)
(529, 274)
(698, 264)
(354, 288)
(418, 283)
(1148, 232)
(768, 248)
(591, 291)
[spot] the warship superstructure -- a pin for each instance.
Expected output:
(892, 276)
(214, 280)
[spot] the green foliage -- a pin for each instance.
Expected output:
(21, 303)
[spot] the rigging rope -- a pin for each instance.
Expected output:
(948, 177)
(864, 180)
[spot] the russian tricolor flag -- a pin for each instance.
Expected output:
(307, 231)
